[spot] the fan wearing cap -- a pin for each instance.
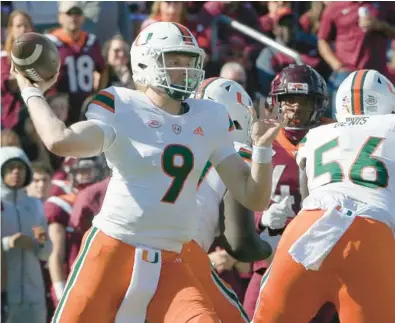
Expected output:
(270, 61)
(81, 59)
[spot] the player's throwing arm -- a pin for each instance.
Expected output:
(252, 187)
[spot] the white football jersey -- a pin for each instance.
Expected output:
(156, 162)
(354, 159)
(211, 191)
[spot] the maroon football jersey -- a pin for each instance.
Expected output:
(79, 60)
(285, 182)
(87, 204)
(285, 172)
(57, 210)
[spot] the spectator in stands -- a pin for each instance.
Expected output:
(31, 142)
(41, 181)
(235, 72)
(266, 21)
(24, 239)
(348, 42)
(310, 20)
(19, 23)
(391, 63)
(117, 70)
(271, 61)
(10, 138)
(81, 57)
(176, 11)
(4, 296)
(231, 45)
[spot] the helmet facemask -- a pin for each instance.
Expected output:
(304, 111)
(179, 73)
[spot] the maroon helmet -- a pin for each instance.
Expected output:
(304, 84)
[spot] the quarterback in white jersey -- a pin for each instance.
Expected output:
(157, 142)
(341, 246)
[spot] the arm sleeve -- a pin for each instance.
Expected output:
(302, 152)
(101, 111)
(224, 144)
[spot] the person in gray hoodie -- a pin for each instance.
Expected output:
(24, 240)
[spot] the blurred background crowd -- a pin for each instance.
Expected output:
(94, 39)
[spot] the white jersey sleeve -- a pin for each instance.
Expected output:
(302, 151)
(224, 143)
(102, 111)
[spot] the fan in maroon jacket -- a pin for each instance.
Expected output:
(302, 92)
(11, 101)
(87, 204)
(80, 58)
(270, 61)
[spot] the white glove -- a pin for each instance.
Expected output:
(276, 215)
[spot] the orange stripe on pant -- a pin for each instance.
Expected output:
(226, 304)
(104, 277)
(358, 276)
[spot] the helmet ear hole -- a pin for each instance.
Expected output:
(237, 125)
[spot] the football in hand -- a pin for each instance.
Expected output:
(35, 56)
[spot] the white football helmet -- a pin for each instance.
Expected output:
(235, 98)
(148, 62)
(365, 92)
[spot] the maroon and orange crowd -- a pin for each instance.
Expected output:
(328, 36)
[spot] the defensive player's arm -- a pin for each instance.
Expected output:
(57, 235)
(239, 237)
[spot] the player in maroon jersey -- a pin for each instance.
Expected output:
(302, 92)
(81, 59)
(87, 204)
(58, 209)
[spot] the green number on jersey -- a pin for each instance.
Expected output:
(333, 168)
(179, 173)
(363, 160)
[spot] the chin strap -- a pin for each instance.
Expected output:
(295, 135)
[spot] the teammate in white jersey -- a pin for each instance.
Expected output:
(341, 246)
(219, 214)
(129, 268)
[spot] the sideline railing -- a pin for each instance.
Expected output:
(251, 33)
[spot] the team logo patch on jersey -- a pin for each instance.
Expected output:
(176, 129)
(154, 123)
